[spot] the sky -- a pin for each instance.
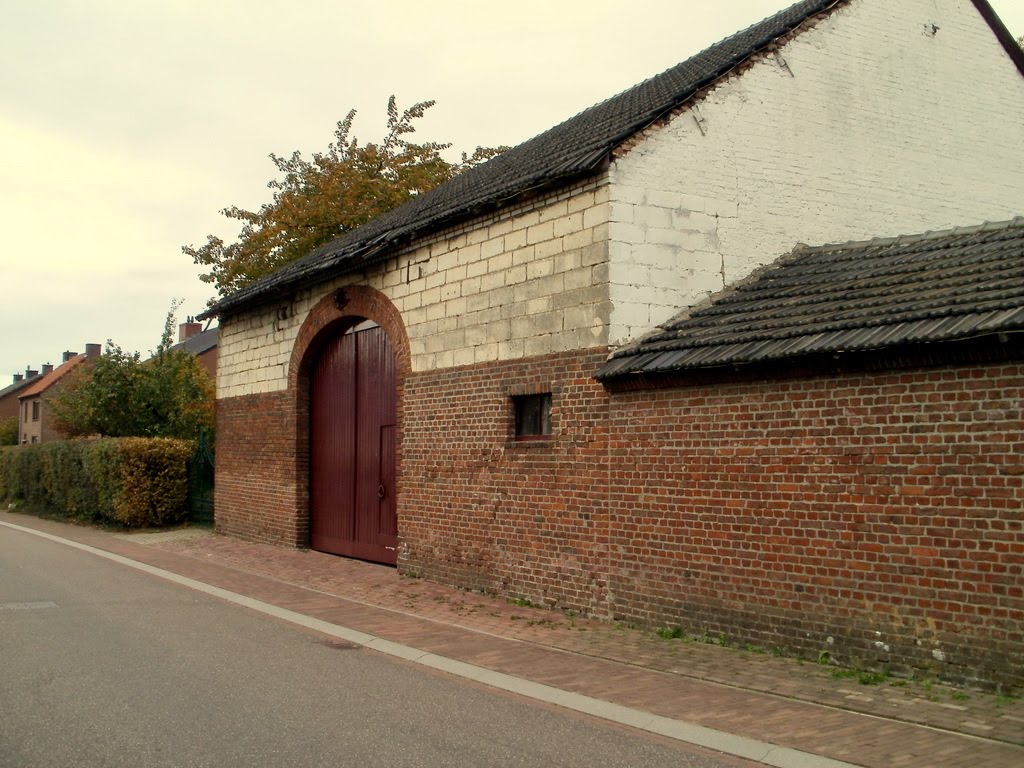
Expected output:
(126, 126)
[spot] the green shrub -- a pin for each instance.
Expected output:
(100, 460)
(8, 474)
(67, 487)
(21, 474)
(9, 431)
(133, 481)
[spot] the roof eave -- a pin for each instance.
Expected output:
(995, 346)
(1006, 39)
(343, 263)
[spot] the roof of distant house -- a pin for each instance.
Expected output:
(42, 383)
(10, 389)
(201, 342)
(933, 287)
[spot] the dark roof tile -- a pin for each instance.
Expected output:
(10, 389)
(939, 286)
(200, 342)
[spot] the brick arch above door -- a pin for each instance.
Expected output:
(330, 314)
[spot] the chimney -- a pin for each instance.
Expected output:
(47, 368)
(68, 356)
(188, 329)
(92, 350)
(29, 373)
(18, 378)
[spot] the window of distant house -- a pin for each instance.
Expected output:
(24, 411)
(35, 410)
(35, 439)
(533, 416)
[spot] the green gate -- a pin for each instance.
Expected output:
(200, 481)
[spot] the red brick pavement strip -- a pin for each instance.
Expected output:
(709, 685)
(941, 707)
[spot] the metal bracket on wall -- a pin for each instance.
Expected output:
(282, 315)
(783, 64)
(698, 118)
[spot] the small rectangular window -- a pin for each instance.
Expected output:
(533, 416)
(35, 410)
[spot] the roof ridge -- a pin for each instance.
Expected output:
(905, 239)
(45, 381)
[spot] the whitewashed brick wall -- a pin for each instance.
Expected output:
(529, 281)
(887, 118)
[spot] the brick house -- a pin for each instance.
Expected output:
(199, 343)
(435, 389)
(9, 406)
(33, 424)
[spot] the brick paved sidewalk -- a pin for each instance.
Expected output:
(748, 693)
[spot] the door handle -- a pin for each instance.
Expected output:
(381, 491)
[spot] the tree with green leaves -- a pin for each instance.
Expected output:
(336, 191)
(121, 395)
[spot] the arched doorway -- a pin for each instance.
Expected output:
(353, 417)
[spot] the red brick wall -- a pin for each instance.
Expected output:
(882, 510)
(259, 495)
(479, 509)
(209, 362)
(9, 406)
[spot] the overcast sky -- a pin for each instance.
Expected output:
(126, 126)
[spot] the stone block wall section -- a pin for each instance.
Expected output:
(532, 280)
(878, 517)
(847, 132)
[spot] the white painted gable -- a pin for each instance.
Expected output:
(886, 118)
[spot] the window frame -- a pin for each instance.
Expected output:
(538, 420)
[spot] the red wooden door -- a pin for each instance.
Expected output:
(353, 416)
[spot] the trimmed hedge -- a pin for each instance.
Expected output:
(133, 481)
(9, 431)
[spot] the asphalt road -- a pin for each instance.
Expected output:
(101, 665)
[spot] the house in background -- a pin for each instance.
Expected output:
(202, 344)
(9, 406)
(33, 424)
(434, 389)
